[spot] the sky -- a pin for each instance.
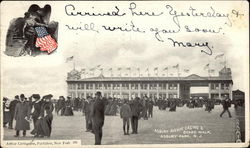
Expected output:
(47, 74)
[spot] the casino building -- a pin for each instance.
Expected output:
(160, 87)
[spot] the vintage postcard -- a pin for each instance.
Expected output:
(124, 73)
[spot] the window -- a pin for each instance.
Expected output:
(134, 86)
(144, 86)
(74, 86)
(116, 86)
(98, 86)
(109, 86)
(125, 86)
(222, 86)
(162, 86)
(173, 95)
(82, 86)
(89, 86)
(152, 86)
(172, 86)
(215, 86)
(104, 86)
(226, 86)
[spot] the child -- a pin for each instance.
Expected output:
(44, 41)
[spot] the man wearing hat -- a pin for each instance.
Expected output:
(226, 104)
(12, 110)
(22, 116)
(97, 115)
(136, 109)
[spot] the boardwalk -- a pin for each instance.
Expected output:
(184, 126)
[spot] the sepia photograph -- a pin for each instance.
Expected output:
(124, 73)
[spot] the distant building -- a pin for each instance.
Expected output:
(163, 87)
(238, 95)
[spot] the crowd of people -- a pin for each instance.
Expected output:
(39, 109)
(25, 110)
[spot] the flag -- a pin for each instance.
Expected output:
(98, 66)
(206, 67)
(166, 68)
(44, 40)
(129, 68)
(186, 70)
(91, 69)
(211, 70)
(83, 71)
(156, 68)
(219, 56)
(119, 68)
(176, 66)
(147, 70)
(223, 63)
(69, 59)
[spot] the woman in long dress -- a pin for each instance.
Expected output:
(6, 111)
(44, 124)
(68, 110)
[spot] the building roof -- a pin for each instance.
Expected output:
(238, 91)
(225, 70)
(192, 77)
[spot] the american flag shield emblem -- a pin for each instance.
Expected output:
(44, 40)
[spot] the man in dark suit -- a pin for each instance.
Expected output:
(150, 108)
(12, 110)
(136, 109)
(226, 104)
(97, 115)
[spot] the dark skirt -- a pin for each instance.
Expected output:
(6, 117)
(68, 111)
(43, 126)
(107, 109)
(113, 110)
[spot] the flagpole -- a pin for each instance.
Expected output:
(148, 71)
(225, 61)
(178, 71)
(74, 66)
